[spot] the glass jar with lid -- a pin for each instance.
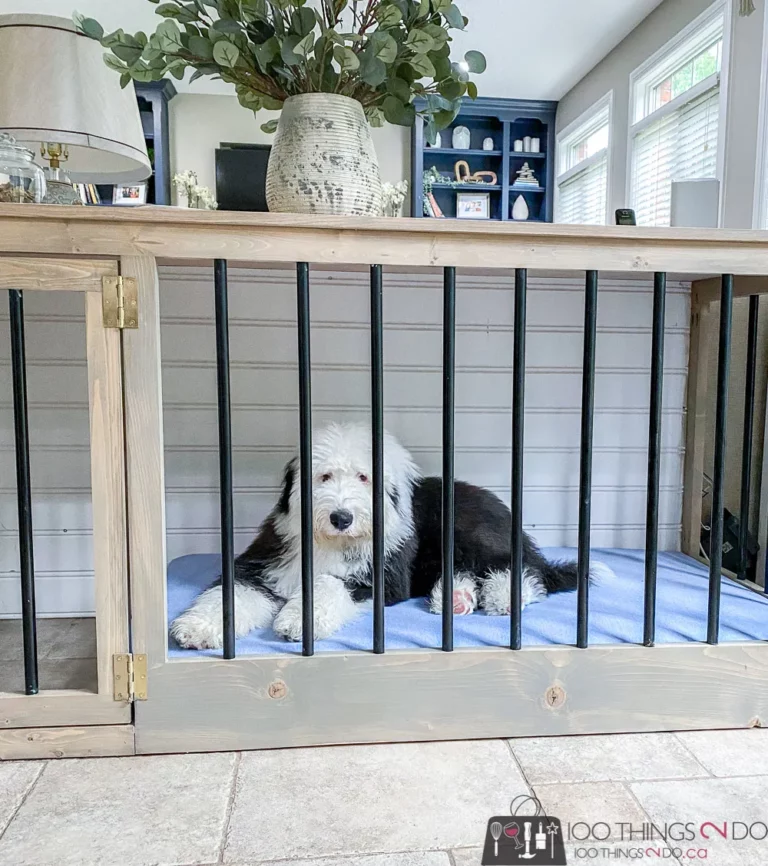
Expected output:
(22, 181)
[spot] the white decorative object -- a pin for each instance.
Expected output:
(393, 197)
(526, 177)
(519, 145)
(520, 210)
(461, 138)
(488, 144)
(438, 141)
(527, 143)
(323, 160)
(535, 145)
(191, 194)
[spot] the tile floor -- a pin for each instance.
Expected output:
(422, 804)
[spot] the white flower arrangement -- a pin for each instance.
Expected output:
(392, 198)
(197, 196)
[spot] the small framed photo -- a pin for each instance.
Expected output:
(129, 194)
(473, 205)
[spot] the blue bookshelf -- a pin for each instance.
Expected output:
(505, 121)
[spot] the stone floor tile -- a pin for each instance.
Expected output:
(16, 778)
(11, 643)
(77, 673)
(76, 639)
(413, 858)
(716, 800)
(608, 853)
(730, 753)
(591, 802)
(148, 811)
(614, 757)
(467, 856)
(366, 799)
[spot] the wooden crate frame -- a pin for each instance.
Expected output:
(211, 704)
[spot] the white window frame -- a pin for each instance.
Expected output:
(563, 142)
(667, 57)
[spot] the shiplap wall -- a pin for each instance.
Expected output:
(265, 418)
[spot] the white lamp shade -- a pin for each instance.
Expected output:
(54, 86)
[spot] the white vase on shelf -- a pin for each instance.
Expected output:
(520, 211)
(527, 143)
(461, 138)
(488, 144)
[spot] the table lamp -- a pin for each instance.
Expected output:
(59, 99)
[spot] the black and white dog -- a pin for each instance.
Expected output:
(268, 573)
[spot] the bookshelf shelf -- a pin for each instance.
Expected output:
(505, 121)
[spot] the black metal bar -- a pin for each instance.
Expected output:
(718, 473)
(305, 459)
(225, 456)
(23, 491)
(585, 479)
(377, 413)
(654, 458)
(449, 408)
(518, 452)
(746, 443)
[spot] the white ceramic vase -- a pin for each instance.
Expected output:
(520, 210)
(323, 160)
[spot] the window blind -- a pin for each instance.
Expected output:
(584, 195)
(680, 145)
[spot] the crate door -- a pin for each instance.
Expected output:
(78, 515)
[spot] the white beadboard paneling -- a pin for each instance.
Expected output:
(265, 417)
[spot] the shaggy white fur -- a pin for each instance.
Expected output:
(496, 591)
(464, 595)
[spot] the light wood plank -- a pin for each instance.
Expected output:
(110, 550)
(696, 420)
(61, 708)
(46, 274)
(180, 234)
(146, 468)
(429, 695)
(22, 744)
(743, 286)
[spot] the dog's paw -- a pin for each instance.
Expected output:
(288, 623)
(193, 631)
(464, 596)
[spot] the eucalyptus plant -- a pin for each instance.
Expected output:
(392, 56)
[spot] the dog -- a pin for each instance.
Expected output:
(268, 573)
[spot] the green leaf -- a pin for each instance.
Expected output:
(458, 72)
(169, 36)
(436, 103)
(125, 80)
(399, 88)
(290, 57)
(441, 5)
(372, 70)
(375, 117)
(270, 126)
(266, 52)
(304, 46)
(227, 25)
(225, 53)
(177, 72)
(397, 112)
(168, 10)
(476, 62)
(452, 89)
(422, 66)
(454, 17)
(442, 66)
(443, 119)
(424, 9)
(346, 58)
(91, 28)
(272, 104)
(303, 21)
(202, 71)
(420, 42)
(201, 47)
(383, 46)
(113, 63)
(129, 53)
(471, 90)
(389, 16)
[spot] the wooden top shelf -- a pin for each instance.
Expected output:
(450, 151)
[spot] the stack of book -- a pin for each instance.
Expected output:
(87, 192)
(432, 207)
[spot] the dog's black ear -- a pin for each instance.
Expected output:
(289, 475)
(394, 495)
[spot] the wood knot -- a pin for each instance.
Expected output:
(554, 697)
(277, 690)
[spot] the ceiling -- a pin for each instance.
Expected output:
(536, 49)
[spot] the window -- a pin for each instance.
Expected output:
(582, 181)
(676, 112)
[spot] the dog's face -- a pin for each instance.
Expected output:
(342, 491)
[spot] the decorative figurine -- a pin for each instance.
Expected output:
(461, 138)
(518, 145)
(520, 210)
(488, 144)
(464, 174)
(526, 177)
(535, 145)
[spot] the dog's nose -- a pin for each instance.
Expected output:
(341, 520)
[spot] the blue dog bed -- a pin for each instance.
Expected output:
(616, 611)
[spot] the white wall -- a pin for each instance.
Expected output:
(200, 122)
(265, 421)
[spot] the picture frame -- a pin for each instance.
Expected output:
(473, 205)
(129, 194)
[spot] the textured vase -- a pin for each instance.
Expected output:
(323, 160)
(520, 209)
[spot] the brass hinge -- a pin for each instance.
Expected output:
(120, 303)
(129, 677)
